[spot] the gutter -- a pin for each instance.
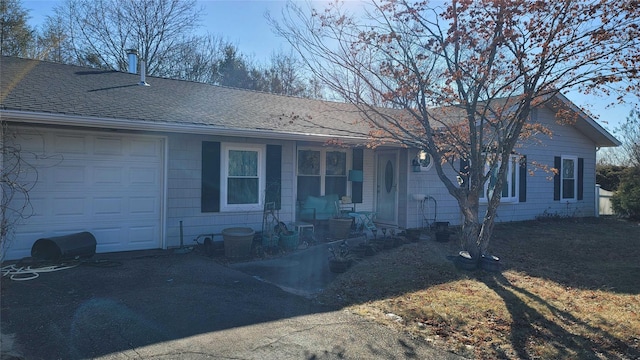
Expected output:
(183, 128)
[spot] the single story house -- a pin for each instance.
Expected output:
(138, 165)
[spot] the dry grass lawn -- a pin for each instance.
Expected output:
(568, 289)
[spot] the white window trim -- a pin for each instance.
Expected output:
(509, 175)
(323, 164)
(224, 173)
(575, 179)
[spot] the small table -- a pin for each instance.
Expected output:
(365, 218)
(300, 226)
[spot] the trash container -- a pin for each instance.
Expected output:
(66, 247)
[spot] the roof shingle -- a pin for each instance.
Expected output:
(45, 87)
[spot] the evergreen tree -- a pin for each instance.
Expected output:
(15, 34)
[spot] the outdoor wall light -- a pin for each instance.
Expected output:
(422, 160)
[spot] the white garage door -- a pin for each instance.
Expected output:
(108, 184)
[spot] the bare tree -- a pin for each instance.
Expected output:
(102, 30)
(53, 42)
(16, 180)
(629, 133)
(467, 75)
(284, 75)
(314, 89)
(628, 154)
(196, 58)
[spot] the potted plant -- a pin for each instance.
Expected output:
(490, 263)
(413, 235)
(442, 231)
(340, 224)
(364, 247)
(368, 249)
(341, 258)
(464, 261)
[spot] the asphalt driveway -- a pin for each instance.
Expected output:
(164, 305)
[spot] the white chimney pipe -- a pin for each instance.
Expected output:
(133, 60)
(143, 76)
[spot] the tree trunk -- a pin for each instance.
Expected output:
(470, 227)
(487, 228)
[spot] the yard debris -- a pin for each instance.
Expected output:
(394, 317)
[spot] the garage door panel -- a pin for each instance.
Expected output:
(141, 148)
(70, 144)
(107, 206)
(143, 205)
(68, 207)
(22, 243)
(110, 185)
(146, 176)
(103, 175)
(69, 175)
(31, 142)
(31, 206)
(140, 236)
(108, 146)
(107, 236)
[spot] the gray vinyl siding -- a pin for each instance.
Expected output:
(428, 183)
(184, 190)
(566, 141)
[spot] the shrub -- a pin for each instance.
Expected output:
(608, 176)
(626, 201)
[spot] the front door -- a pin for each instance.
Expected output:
(387, 187)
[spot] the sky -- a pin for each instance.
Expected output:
(243, 23)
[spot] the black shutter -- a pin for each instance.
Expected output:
(274, 175)
(522, 186)
(580, 178)
(210, 196)
(357, 164)
(557, 163)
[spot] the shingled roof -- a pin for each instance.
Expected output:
(45, 92)
(93, 97)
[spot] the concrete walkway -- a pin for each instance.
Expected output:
(303, 272)
(162, 305)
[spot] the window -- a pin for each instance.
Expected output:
(242, 177)
(321, 172)
(336, 173)
(568, 178)
(510, 187)
(221, 171)
(568, 182)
